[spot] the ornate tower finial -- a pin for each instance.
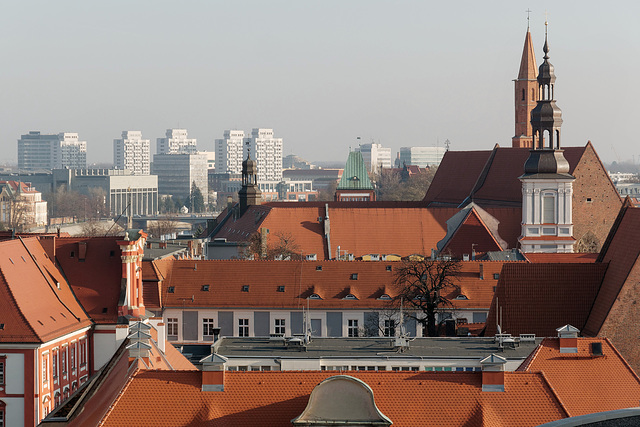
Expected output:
(546, 45)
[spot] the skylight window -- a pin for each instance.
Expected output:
(245, 288)
(205, 288)
(354, 276)
(171, 289)
(281, 288)
(388, 268)
(318, 268)
(496, 276)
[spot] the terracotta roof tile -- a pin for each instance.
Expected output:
(34, 308)
(585, 383)
(275, 398)
(561, 258)
(96, 279)
(537, 298)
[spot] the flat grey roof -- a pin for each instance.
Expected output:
(453, 348)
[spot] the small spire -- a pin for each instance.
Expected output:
(546, 45)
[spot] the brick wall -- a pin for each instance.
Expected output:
(596, 202)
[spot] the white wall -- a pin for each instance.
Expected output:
(14, 374)
(14, 411)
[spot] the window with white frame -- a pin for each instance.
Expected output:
(45, 368)
(63, 360)
(548, 208)
(279, 326)
(72, 356)
(207, 327)
(54, 364)
(243, 327)
(352, 330)
(3, 361)
(172, 326)
(389, 328)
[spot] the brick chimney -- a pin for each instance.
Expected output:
(493, 373)
(213, 367)
(568, 336)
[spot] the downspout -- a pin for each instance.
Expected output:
(327, 230)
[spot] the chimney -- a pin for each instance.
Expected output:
(568, 336)
(157, 323)
(213, 367)
(493, 373)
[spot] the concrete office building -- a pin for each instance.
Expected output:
(120, 186)
(267, 151)
(375, 156)
(229, 152)
(177, 172)
(132, 152)
(54, 151)
(420, 156)
(176, 142)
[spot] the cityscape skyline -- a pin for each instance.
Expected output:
(320, 75)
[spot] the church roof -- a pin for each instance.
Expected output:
(528, 67)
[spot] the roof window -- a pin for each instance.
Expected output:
(461, 297)
(496, 276)
(104, 310)
(111, 253)
(354, 276)
(385, 297)
(281, 288)
(318, 268)
(350, 296)
(314, 296)
(23, 260)
(72, 254)
(245, 288)
(388, 268)
(205, 288)
(1, 326)
(11, 261)
(171, 289)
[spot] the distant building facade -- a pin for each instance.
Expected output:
(37, 151)
(375, 156)
(229, 152)
(176, 141)
(267, 151)
(132, 152)
(177, 172)
(420, 156)
(21, 205)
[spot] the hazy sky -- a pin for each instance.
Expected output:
(320, 73)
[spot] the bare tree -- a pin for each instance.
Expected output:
(282, 247)
(162, 227)
(18, 207)
(422, 284)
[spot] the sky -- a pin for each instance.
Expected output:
(320, 73)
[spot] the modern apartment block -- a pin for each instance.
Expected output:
(176, 142)
(267, 151)
(177, 172)
(54, 151)
(229, 152)
(420, 156)
(132, 152)
(375, 156)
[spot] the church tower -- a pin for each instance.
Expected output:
(250, 193)
(547, 186)
(525, 95)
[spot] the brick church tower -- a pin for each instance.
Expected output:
(525, 95)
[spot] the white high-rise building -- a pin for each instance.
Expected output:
(176, 142)
(54, 151)
(267, 152)
(420, 156)
(132, 152)
(229, 152)
(375, 156)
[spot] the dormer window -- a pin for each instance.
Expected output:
(354, 276)
(245, 288)
(205, 288)
(350, 296)
(171, 289)
(464, 297)
(385, 297)
(314, 296)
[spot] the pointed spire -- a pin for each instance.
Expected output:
(528, 66)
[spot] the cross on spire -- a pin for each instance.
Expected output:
(528, 12)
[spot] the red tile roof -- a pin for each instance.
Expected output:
(621, 252)
(301, 279)
(275, 398)
(487, 177)
(586, 383)
(472, 234)
(561, 258)
(96, 279)
(400, 228)
(537, 298)
(33, 308)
